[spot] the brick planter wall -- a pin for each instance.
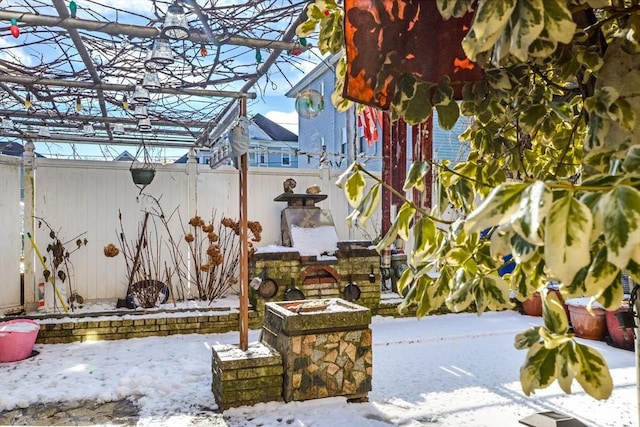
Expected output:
(116, 326)
(245, 378)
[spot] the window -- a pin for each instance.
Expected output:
(286, 158)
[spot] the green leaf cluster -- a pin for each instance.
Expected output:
(552, 179)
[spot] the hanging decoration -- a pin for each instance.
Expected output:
(309, 103)
(27, 101)
(142, 174)
(302, 41)
(203, 50)
(415, 39)
(73, 8)
(370, 119)
(125, 102)
(15, 30)
(78, 104)
(258, 56)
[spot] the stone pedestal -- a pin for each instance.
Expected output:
(242, 378)
(325, 346)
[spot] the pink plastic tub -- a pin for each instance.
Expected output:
(17, 338)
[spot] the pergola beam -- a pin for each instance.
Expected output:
(33, 81)
(149, 140)
(116, 29)
(124, 120)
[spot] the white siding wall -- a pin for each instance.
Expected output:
(75, 197)
(9, 233)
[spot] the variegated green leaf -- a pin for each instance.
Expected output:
(631, 162)
(454, 8)
(367, 207)
(461, 292)
(430, 300)
(553, 314)
(534, 205)
(592, 372)
(522, 250)
(528, 26)
(416, 176)
(596, 132)
(621, 215)
(490, 20)
(539, 368)
(591, 200)
(565, 362)
(622, 112)
(527, 338)
(633, 270)
(405, 280)
(354, 188)
(496, 291)
(600, 276)
(457, 256)
(424, 239)
(346, 174)
(567, 238)
(399, 228)
(558, 22)
(448, 114)
(497, 208)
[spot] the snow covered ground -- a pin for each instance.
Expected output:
(451, 370)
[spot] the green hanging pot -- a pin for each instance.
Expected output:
(142, 176)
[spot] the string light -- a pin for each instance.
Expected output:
(203, 50)
(15, 30)
(258, 56)
(78, 105)
(302, 41)
(73, 8)
(27, 101)
(125, 103)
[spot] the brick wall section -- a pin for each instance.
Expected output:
(245, 378)
(85, 329)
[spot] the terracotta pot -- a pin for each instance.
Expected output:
(587, 326)
(532, 306)
(621, 338)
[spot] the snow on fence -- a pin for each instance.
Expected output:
(98, 200)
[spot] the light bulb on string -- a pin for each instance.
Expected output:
(203, 50)
(27, 101)
(125, 103)
(302, 41)
(258, 56)
(15, 30)
(78, 105)
(73, 8)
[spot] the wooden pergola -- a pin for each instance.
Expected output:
(68, 64)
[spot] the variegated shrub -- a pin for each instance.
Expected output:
(553, 177)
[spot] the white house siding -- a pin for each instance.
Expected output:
(9, 233)
(77, 197)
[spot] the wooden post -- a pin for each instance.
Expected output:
(422, 143)
(244, 252)
(386, 172)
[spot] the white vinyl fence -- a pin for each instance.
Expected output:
(92, 200)
(9, 233)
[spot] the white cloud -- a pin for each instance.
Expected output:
(286, 120)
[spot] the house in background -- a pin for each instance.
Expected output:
(271, 145)
(325, 136)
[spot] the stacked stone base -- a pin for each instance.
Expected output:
(245, 378)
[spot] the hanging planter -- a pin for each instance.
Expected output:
(142, 176)
(142, 173)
